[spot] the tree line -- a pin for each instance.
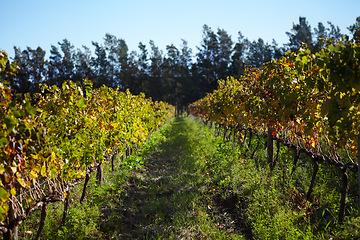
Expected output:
(178, 76)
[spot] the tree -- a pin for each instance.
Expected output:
(111, 54)
(334, 32)
(277, 52)
(123, 59)
(204, 70)
(32, 70)
(172, 75)
(213, 59)
(100, 66)
(189, 89)
(225, 52)
(82, 64)
(180, 89)
(142, 76)
(320, 36)
(238, 57)
(258, 53)
(21, 82)
(117, 54)
(156, 85)
(355, 30)
(61, 65)
(300, 33)
(321, 33)
(68, 59)
(130, 74)
(54, 66)
(186, 55)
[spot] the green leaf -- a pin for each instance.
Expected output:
(30, 109)
(81, 103)
(334, 49)
(4, 142)
(16, 113)
(4, 208)
(4, 195)
(304, 60)
(53, 173)
(3, 62)
(10, 123)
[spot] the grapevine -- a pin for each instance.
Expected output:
(51, 140)
(309, 102)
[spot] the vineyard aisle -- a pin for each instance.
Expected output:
(175, 196)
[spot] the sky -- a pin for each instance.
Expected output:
(43, 23)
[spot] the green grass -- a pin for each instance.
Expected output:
(173, 198)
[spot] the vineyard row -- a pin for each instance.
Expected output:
(307, 101)
(51, 140)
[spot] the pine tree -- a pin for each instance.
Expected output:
(300, 33)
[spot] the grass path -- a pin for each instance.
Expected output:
(174, 197)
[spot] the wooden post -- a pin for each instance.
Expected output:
(296, 158)
(277, 153)
(99, 174)
(12, 231)
(358, 158)
(66, 207)
(112, 163)
(42, 220)
(250, 140)
(225, 131)
(312, 184)
(270, 148)
(344, 192)
(234, 136)
(87, 178)
(253, 153)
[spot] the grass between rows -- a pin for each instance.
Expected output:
(186, 183)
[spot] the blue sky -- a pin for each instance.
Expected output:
(46, 22)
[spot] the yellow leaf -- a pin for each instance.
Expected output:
(43, 171)
(21, 180)
(13, 191)
(53, 156)
(33, 174)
